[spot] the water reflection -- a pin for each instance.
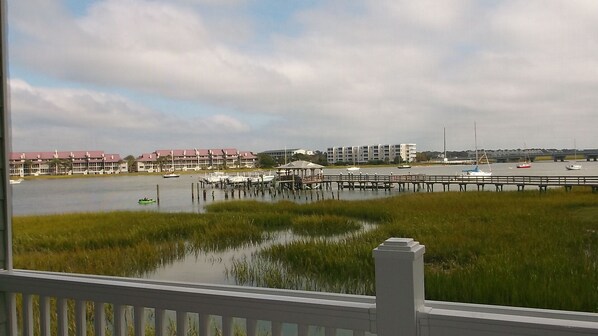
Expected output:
(214, 266)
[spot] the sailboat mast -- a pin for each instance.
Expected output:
(475, 136)
(444, 143)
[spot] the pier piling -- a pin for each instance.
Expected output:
(158, 194)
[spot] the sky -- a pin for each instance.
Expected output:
(133, 76)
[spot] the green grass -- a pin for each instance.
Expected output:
(510, 248)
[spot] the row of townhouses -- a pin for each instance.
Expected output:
(76, 162)
(98, 162)
(367, 153)
(195, 159)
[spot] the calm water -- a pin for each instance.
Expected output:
(122, 192)
(50, 196)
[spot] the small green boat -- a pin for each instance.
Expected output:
(146, 200)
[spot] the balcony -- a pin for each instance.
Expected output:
(67, 304)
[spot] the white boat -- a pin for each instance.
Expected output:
(16, 181)
(573, 167)
(354, 167)
(215, 177)
(262, 178)
(172, 173)
(476, 171)
(237, 179)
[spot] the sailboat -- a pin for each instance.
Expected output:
(353, 168)
(476, 171)
(526, 163)
(172, 173)
(574, 166)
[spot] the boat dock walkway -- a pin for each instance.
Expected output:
(428, 182)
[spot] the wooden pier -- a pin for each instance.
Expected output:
(428, 182)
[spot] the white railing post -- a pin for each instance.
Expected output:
(399, 286)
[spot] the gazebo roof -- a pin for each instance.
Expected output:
(300, 165)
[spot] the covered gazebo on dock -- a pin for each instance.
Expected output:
(300, 174)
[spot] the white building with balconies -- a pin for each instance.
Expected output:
(367, 153)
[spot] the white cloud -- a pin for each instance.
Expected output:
(352, 73)
(47, 118)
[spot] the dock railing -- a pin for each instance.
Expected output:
(519, 181)
(502, 179)
(69, 304)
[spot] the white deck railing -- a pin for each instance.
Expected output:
(67, 304)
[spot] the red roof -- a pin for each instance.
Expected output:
(33, 155)
(112, 157)
(248, 155)
(147, 157)
(163, 152)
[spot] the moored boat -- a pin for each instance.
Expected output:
(146, 200)
(262, 178)
(475, 172)
(172, 170)
(573, 167)
(215, 177)
(237, 179)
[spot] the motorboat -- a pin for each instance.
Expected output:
(524, 165)
(237, 179)
(352, 169)
(16, 181)
(215, 177)
(262, 178)
(404, 166)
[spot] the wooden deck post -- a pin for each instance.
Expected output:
(399, 264)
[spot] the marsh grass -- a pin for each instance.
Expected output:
(323, 225)
(510, 248)
(122, 243)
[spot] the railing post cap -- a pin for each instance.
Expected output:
(401, 247)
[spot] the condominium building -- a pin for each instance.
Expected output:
(367, 153)
(280, 155)
(65, 162)
(194, 159)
